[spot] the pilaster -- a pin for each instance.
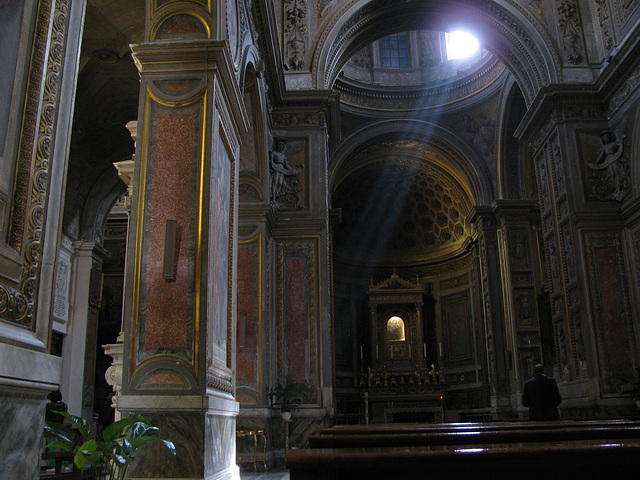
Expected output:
(180, 305)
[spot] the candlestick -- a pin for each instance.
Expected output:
(377, 356)
(440, 349)
(424, 350)
(361, 353)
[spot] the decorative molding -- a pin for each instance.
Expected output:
(32, 169)
(411, 98)
(223, 384)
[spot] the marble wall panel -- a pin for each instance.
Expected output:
(186, 431)
(248, 333)
(166, 323)
(21, 429)
(610, 303)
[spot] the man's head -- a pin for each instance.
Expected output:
(538, 369)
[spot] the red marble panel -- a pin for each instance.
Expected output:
(171, 189)
(248, 291)
(613, 314)
(296, 320)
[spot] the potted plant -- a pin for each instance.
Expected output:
(120, 441)
(287, 399)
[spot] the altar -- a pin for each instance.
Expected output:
(404, 381)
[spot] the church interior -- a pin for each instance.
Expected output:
(266, 224)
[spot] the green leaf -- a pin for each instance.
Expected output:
(62, 445)
(120, 428)
(169, 444)
(141, 429)
(88, 447)
(83, 426)
(63, 432)
(79, 459)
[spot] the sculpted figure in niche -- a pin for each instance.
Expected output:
(613, 182)
(285, 189)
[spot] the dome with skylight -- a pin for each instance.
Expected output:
(417, 69)
(415, 57)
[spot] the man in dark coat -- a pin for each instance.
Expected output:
(541, 396)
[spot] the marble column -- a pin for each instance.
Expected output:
(179, 307)
(79, 354)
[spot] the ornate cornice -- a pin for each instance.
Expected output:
(365, 96)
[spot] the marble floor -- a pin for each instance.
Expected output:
(271, 475)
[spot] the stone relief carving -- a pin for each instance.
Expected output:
(559, 164)
(570, 30)
(624, 92)
(285, 185)
(609, 173)
(301, 119)
(605, 23)
(553, 262)
(544, 184)
(581, 353)
(562, 346)
(479, 130)
(296, 33)
(625, 9)
(569, 253)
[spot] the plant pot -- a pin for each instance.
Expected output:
(286, 416)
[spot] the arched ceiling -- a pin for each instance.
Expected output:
(106, 99)
(398, 208)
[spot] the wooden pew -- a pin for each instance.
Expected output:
(521, 432)
(566, 449)
(58, 458)
(560, 461)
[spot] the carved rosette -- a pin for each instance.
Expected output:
(32, 169)
(296, 33)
